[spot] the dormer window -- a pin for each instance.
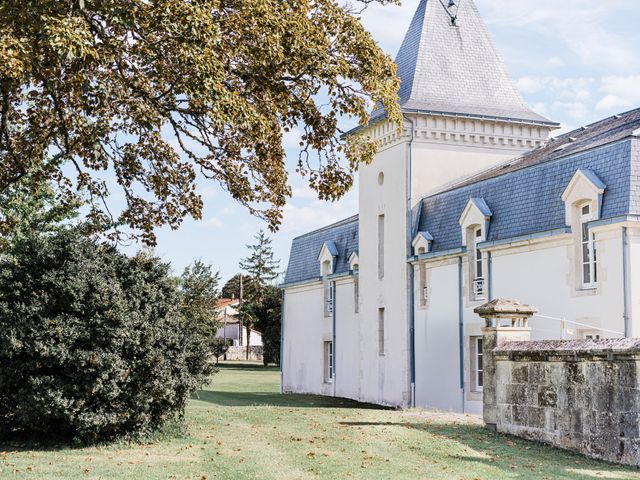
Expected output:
(327, 258)
(583, 202)
(354, 263)
(588, 249)
(479, 280)
(475, 223)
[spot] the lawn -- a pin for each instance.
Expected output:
(241, 428)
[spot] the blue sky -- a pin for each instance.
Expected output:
(575, 61)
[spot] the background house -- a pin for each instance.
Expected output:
(231, 327)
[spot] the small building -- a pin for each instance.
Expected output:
(231, 327)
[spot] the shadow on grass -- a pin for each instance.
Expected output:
(530, 459)
(270, 399)
(247, 367)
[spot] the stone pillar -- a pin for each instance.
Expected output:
(505, 321)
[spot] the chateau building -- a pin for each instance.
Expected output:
(471, 201)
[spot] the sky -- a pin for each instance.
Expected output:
(575, 61)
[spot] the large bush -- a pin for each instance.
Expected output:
(92, 344)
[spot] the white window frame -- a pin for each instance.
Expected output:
(356, 288)
(588, 250)
(381, 235)
(479, 282)
(478, 363)
(329, 359)
(381, 336)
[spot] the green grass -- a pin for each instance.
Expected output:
(241, 428)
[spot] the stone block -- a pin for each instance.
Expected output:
(516, 394)
(576, 425)
(547, 397)
(550, 420)
(539, 373)
(629, 425)
(631, 452)
(628, 374)
(536, 417)
(519, 415)
(574, 372)
(504, 414)
(520, 373)
(594, 373)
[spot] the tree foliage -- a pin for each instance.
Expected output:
(231, 289)
(92, 342)
(268, 318)
(28, 208)
(261, 264)
(158, 91)
(200, 293)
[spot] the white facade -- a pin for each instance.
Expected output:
(400, 329)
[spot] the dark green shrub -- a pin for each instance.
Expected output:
(92, 344)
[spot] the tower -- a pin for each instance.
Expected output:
(462, 114)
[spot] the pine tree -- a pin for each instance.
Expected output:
(262, 267)
(261, 264)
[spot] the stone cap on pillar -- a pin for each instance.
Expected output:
(514, 310)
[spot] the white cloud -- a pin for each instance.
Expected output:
(620, 92)
(212, 222)
(585, 27)
(312, 215)
(292, 138)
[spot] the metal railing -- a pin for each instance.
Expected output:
(564, 322)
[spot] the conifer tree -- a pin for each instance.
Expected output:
(262, 267)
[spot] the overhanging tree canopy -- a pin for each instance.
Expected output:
(105, 85)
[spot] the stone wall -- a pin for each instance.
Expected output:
(577, 395)
(240, 353)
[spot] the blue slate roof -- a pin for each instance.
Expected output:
(303, 262)
(528, 200)
(522, 197)
(456, 69)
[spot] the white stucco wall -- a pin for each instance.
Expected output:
(541, 274)
(305, 331)
(385, 380)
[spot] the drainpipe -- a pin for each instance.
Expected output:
(461, 328)
(490, 275)
(333, 340)
(411, 299)
(625, 280)
(282, 343)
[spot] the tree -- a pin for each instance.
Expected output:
(92, 342)
(158, 91)
(268, 318)
(199, 289)
(219, 347)
(261, 264)
(28, 208)
(262, 268)
(231, 289)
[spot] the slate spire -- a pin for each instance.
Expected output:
(452, 66)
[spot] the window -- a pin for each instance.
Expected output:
(588, 249)
(380, 246)
(328, 311)
(424, 291)
(477, 363)
(381, 331)
(356, 288)
(328, 362)
(478, 267)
